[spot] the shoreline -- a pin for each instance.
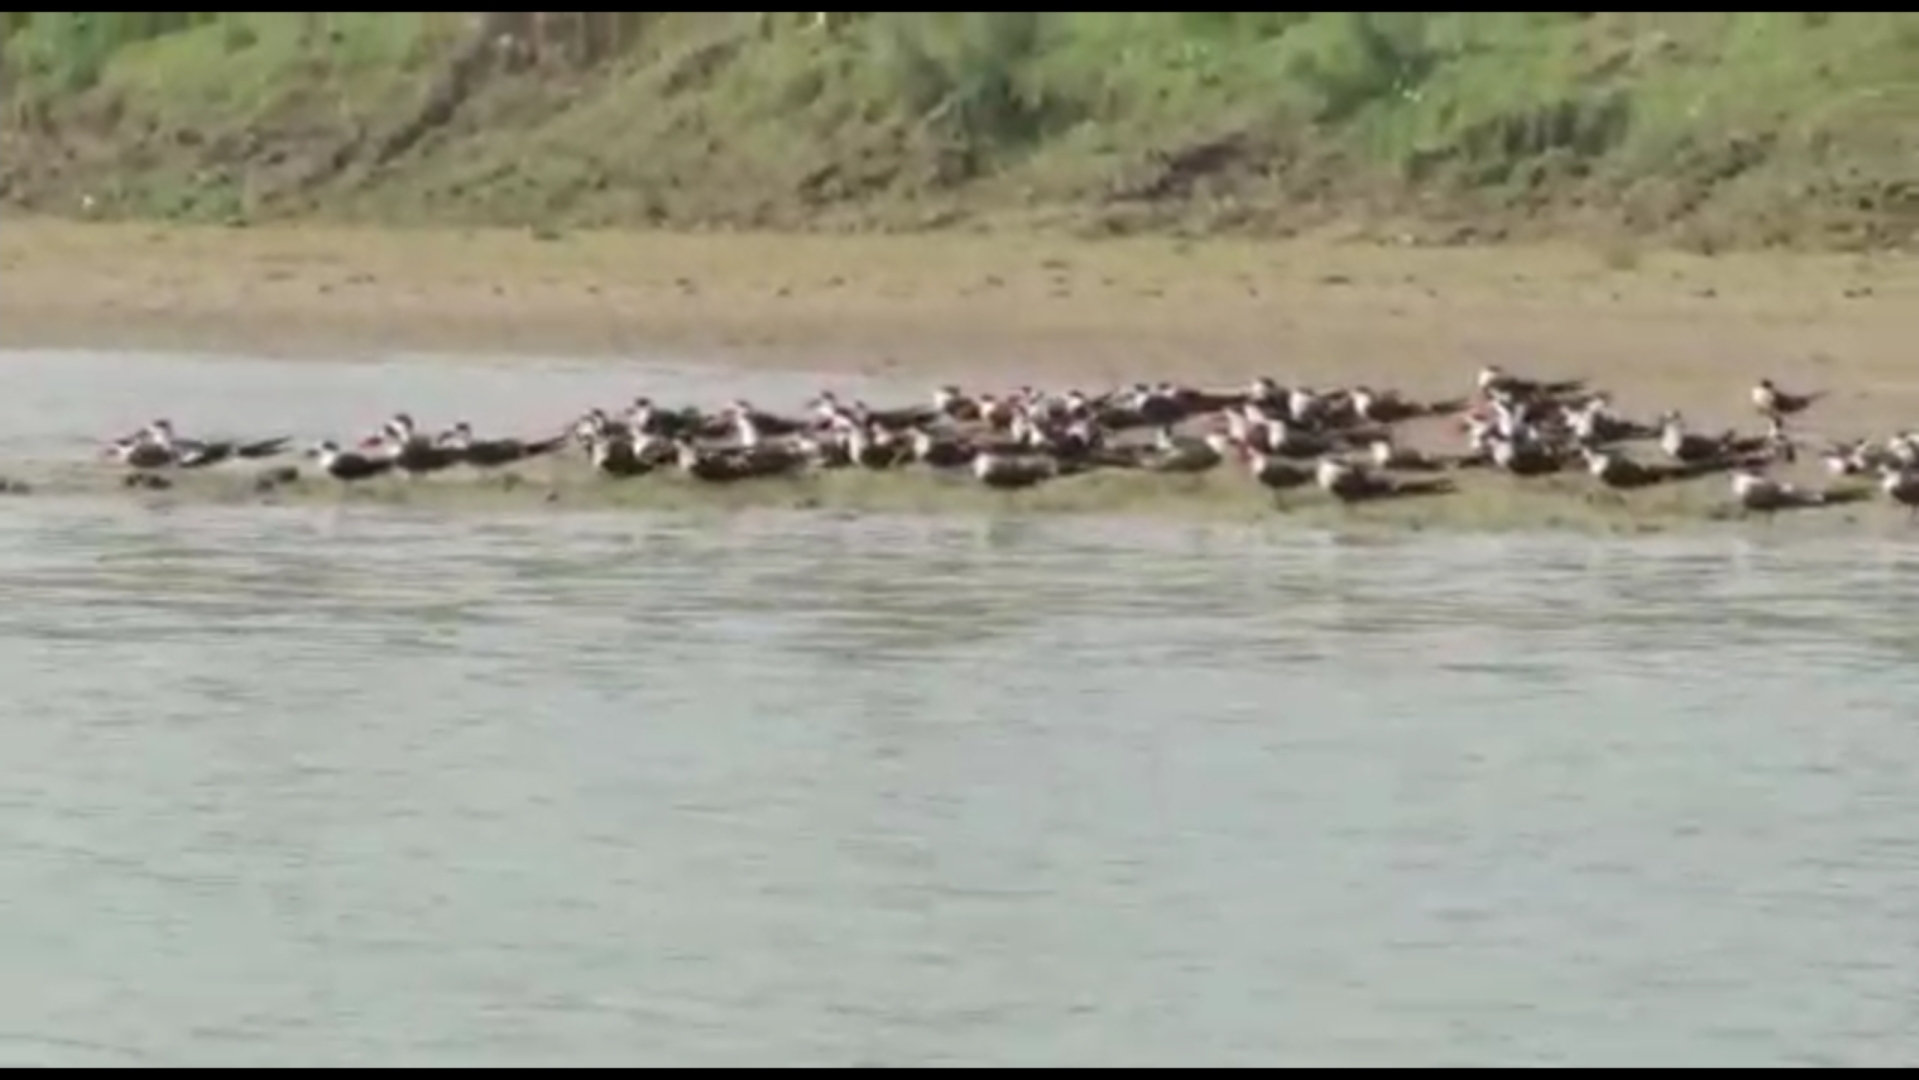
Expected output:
(1481, 503)
(993, 312)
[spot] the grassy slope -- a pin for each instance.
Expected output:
(1739, 129)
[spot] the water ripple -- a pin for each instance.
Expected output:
(354, 786)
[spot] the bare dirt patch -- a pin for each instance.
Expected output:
(1688, 331)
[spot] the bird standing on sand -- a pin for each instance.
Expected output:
(347, 466)
(1752, 490)
(1902, 487)
(489, 453)
(141, 451)
(996, 470)
(1776, 403)
(1276, 473)
(1348, 482)
(618, 457)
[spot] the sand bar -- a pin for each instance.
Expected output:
(1660, 329)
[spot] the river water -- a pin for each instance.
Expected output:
(358, 785)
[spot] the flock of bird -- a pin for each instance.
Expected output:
(1339, 441)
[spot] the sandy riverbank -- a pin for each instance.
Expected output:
(1658, 328)
(989, 311)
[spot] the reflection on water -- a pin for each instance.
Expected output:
(343, 786)
(350, 785)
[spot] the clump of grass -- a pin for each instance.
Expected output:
(68, 50)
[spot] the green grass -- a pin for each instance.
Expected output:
(1721, 129)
